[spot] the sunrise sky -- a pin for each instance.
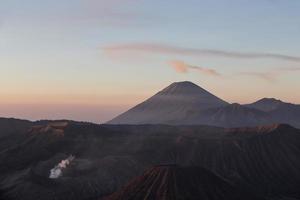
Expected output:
(93, 59)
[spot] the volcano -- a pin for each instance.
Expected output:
(185, 103)
(171, 105)
(171, 182)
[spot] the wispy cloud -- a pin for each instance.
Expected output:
(110, 3)
(169, 49)
(182, 67)
(117, 12)
(272, 75)
(288, 69)
(267, 76)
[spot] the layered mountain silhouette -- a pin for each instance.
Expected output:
(171, 182)
(184, 103)
(212, 161)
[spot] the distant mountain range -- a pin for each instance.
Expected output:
(185, 103)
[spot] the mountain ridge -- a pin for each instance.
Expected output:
(185, 103)
(261, 159)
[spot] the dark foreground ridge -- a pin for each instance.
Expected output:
(103, 158)
(171, 182)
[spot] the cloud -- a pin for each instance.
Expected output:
(116, 12)
(267, 76)
(169, 49)
(288, 69)
(110, 3)
(273, 74)
(179, 66)
(182, 67)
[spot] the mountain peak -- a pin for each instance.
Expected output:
(184, 87)
(184, 84)
(170, 105)
(266, 104)
(269, 100)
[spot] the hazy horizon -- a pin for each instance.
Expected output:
(78, 112)
(91, 60)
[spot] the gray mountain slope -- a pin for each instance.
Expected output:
(278, 111)
(266, 104)
(233, 115)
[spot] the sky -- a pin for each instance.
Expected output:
(90, 60)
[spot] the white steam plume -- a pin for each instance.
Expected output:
(56, 172)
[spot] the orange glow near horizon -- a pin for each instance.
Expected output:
(101, 108)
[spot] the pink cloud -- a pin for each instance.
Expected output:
(179, 66)
(182, 67)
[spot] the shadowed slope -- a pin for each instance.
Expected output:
(233, 115)
(171, 182)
